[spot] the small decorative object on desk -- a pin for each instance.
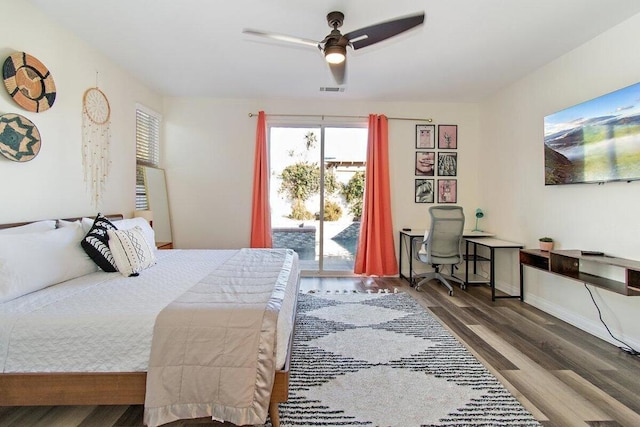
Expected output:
(479, 214)
(592, 253)
(546, 244)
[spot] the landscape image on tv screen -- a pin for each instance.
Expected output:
(596, 141)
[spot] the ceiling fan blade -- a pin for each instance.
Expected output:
(339, 71)
(281, 37)
(376, 33)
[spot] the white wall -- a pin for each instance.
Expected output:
(209, 155)
(595, 217)
(51, 185)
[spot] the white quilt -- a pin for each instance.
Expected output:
(103, 322)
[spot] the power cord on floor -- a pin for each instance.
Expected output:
(627, 348)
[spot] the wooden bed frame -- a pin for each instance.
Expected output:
(107, 388)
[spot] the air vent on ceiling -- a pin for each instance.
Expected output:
(331, 89)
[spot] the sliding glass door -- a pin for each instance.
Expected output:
(316, 190)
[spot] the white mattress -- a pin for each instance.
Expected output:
(103, 322)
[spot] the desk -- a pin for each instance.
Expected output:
(406, 242)
(492, 244)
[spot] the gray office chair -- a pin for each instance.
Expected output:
(441, 245)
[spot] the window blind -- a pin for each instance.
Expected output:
(147, 138)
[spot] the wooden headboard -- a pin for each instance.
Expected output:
(17, 224)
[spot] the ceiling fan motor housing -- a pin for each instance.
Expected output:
(335, 19)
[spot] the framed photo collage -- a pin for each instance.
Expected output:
(435, 161)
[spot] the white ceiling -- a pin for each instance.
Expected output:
(466, 50)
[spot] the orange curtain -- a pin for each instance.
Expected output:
(376, 255)
(260, 213)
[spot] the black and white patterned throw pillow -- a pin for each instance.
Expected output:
(131, 250)
(96, 244)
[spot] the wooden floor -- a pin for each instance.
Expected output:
(563, 375)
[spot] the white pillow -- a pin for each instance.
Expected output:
(33, 261)
(34, 227)
(131, 250)
(64, 223)
(86, 223)
(127, 224)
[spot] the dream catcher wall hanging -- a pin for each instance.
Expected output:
(96, 135)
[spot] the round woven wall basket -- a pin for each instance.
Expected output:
(19, 138)
(29, 82)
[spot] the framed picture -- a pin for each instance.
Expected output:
(447, 191)
(447, 164)
(448, 136)
(425, 136)
(424, 191)
(425, 163)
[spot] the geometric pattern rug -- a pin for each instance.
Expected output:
(380, 359)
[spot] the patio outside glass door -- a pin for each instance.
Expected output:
(314, 167)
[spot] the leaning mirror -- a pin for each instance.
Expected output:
(156, 189)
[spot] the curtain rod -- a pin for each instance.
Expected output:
(341, 117)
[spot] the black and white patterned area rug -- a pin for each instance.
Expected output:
(364, 359)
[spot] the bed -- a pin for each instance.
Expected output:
(87, 340)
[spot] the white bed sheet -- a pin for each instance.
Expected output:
(103, 322)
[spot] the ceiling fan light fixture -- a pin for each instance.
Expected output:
(335, 54)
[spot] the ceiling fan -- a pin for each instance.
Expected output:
(334, 45)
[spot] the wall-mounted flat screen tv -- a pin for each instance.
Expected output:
(596, 141)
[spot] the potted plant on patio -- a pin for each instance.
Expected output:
(546, 244)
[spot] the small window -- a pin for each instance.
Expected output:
(147, 149)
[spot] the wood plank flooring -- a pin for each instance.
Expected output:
(563, 375)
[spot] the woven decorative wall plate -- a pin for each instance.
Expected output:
(29, 82)
(19, 138)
